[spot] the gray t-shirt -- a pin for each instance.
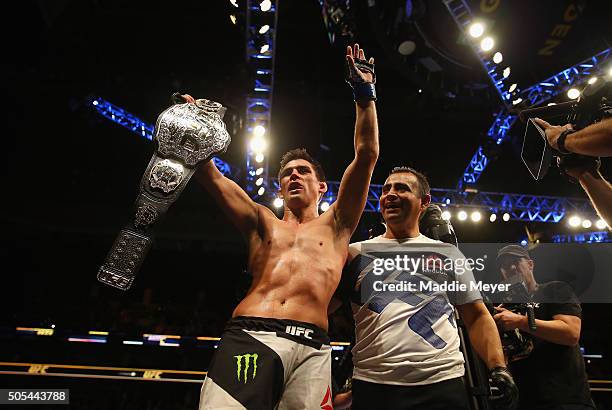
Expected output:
(406, 336)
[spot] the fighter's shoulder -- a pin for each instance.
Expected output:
(265, 212)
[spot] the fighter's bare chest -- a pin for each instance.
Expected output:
(283, 236)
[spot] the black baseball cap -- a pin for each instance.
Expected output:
(513, 250)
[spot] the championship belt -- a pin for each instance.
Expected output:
(185, 135)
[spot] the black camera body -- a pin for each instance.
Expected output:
(591, 107)
(516, 345)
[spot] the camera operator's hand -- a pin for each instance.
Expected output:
(507, 320)
(552, 131)
(504, 393)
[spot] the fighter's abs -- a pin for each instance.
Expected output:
(295, 271)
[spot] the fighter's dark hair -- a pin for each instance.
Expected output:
(423, 182)
(301, 153)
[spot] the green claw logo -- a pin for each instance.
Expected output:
(247, 365)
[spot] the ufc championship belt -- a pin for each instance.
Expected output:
(185, 135)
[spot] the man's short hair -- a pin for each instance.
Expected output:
(301, 153)
(423, 182)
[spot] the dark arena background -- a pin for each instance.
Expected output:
(84, 82)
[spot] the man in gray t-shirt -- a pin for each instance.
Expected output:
(403, 292)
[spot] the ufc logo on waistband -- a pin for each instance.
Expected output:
(299, 331)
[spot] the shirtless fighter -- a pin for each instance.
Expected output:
(274, 352)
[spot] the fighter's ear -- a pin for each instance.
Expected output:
(322, 187)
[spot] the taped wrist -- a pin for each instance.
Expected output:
(362, 90)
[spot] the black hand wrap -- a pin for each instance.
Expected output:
(177, 98)
(433, 226)
(504, 393)
(362, 90)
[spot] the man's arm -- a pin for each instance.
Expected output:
(355, 183)
(562, 330)
(600, 193)
(235, 203)
(483, 333)
(594, 140)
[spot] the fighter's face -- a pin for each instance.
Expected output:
(511, 266)
(299, 185)
(400, 200)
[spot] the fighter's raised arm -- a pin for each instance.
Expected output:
(236, 204)
(241, 210)
(353, 191)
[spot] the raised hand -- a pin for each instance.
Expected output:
(358, 72)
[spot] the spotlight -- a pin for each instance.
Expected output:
(446, 215)
(573, 93)
(487, 44)
(493, 217)
(259, 130)
(512, 87)
(592, 80)
(506, 72)
(586, 224)
(234, 3)
(324, 206)
(265, 5)
(259, 171)
(258, 144)
(406, 47)
(264, 48)
(549, 104)
(517, 101)
(476, 216)
(278, 202)
(95, 102)
(498, 58)
(264, 29)
(476, 30)
(233, 19)
(610, 72)
(574, 221)
(462, 215)
(259, 157)
(261, 191)
(524, 242)
(506, 216)
(601, 224)
(259, 181)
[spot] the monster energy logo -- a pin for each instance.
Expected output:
(247, 364)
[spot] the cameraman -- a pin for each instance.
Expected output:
(553, 376)
(594, 140)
